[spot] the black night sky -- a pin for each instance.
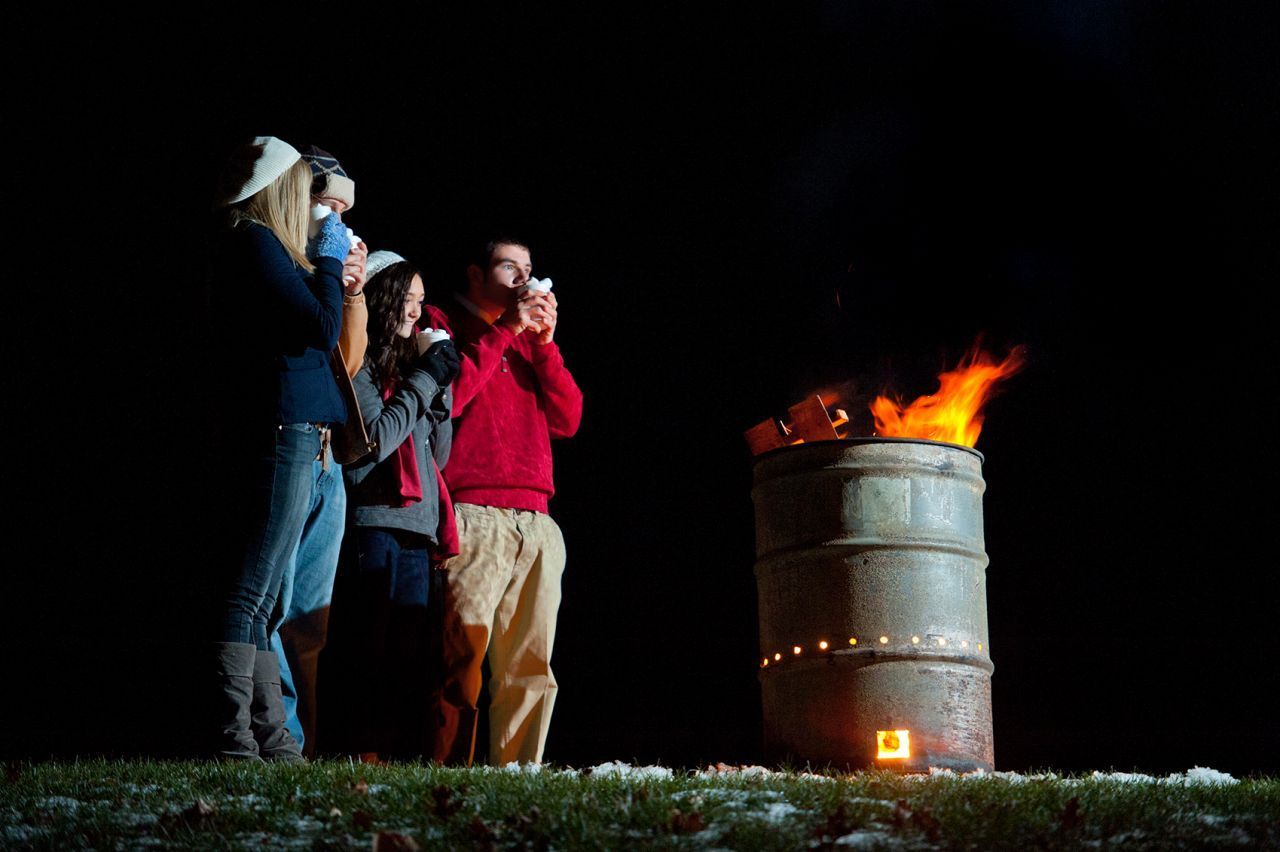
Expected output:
(738, 208)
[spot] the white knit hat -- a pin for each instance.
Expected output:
(269, 158)
(378, 261)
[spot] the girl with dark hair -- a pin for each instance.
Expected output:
(394, 512)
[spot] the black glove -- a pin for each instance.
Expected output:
(441, 362)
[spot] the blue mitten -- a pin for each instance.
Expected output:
(331, 241)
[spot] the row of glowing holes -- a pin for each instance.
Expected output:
(884, 640)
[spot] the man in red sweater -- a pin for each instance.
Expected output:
(511, 397)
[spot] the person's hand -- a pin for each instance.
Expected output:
(544, 313)
(353, 276)
(441, 362)
(331, 241)
(520, 316)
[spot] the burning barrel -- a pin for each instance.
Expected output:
(871, 574)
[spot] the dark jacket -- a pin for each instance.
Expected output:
(281, 325)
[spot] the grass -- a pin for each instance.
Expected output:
(338, 805)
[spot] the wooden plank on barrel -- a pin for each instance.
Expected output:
(810, 422)
(766, 435)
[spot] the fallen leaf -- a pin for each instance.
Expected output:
(394, 841)
(1071, 819)
(361, 788)
(481, 834)
(197, 814)
(682, 823)
(334, 812)
(446, 804)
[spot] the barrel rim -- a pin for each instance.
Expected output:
(870, 440)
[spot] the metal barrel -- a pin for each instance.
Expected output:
(871, 573)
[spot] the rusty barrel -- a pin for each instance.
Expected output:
(871, 573)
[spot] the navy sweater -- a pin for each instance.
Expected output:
(282, 325)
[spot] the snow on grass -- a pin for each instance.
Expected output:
(868, 838)
(59, 803)
(1196, 776)
(332, 804)
(523, 768)
(777, 812)
(618, 769)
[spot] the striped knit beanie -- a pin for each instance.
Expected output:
(328, 176)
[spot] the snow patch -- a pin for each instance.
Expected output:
(60, 803)
(1196, 776)
(866, 838)
(777, 812)
(523, 768)
(134, 819)
(866, 800)
(140, 788)
(1203, 775)
(22, 833)
(1123, 777)
(618, 769)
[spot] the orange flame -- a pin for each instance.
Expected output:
(954, 413)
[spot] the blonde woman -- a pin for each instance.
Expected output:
(282, 300)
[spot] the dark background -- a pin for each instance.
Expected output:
(738, 208)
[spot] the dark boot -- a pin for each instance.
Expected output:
(267, 721)
(235, 661)
(303, 639)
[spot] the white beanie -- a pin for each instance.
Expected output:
(270, 157)
(378, 261)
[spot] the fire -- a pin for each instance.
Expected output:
(954, 413)
(892, 744)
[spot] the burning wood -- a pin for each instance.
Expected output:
(952, 415)
(809, 421)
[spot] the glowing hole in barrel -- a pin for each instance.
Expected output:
(884, 640)
(823, 645)
(796, 650)
(893, 744)
(915, 640)
(777, 656)
(853, 640)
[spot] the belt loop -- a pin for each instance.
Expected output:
(323, 457)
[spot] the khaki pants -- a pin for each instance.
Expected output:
(501, 597)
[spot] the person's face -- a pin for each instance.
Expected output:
(412, 307)
(509, 267)
(337, 205)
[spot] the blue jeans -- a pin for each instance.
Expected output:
(305, 594)
(276, 510)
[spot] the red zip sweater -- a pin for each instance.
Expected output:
(511, 397)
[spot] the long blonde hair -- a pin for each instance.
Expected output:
(283, 206)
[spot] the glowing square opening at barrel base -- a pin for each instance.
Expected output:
(893, 744)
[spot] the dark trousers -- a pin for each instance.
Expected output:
(387, 640)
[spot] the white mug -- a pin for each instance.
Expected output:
(428, 337)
